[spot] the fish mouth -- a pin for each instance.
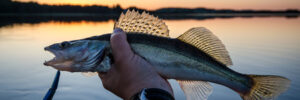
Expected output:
(55, 60)
(58, 62)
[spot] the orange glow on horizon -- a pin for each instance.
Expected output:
(156, 4)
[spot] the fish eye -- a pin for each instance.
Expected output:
(64, 44)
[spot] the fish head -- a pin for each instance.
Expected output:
(74, 56)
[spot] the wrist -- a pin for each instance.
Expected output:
(152, 94)
(133, 90)
(139, 86)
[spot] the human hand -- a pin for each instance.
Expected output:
(130, 73)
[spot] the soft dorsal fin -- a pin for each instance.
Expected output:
(206, 41)
(133, 21)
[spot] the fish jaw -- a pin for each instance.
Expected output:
(57, 57)
(58, 62)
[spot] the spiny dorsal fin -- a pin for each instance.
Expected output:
(206, 41)
(133, 21)
(195, 90)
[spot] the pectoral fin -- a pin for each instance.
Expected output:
(195, 90)
(104, 66)
(89, 74)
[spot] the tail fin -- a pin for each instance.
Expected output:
(266, 87)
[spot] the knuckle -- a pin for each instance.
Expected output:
(106, 86)
(116, 37)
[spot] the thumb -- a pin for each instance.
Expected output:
(120, 47)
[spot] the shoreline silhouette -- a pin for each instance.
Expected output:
(14, 12)
(9, 7)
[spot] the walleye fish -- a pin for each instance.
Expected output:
(194, 58)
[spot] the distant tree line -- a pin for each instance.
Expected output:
(8, 6)
(12, 12)
(206, 10)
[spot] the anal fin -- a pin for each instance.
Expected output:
(195, 90)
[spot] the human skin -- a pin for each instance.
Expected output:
(130, 73)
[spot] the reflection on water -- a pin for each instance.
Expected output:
(256, 46)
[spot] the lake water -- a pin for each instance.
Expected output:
(265, 45)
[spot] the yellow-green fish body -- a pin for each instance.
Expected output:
(193, 59)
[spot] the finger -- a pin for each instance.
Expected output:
(119, 45)
(103, 79)
(101, 75)
(105, 76)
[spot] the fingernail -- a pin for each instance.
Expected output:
(117, 30)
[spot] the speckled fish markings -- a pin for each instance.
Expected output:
(194, 59)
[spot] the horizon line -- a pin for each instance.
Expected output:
(87, 5)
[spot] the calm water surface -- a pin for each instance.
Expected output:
(268, 46)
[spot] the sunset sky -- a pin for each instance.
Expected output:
(155, 4)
